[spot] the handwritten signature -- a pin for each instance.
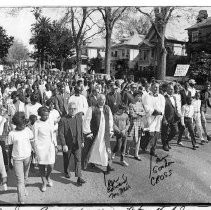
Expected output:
(116, 187)
(159, 208)
(160, 171)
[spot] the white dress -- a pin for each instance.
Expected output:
(44, 142)
(99, 153)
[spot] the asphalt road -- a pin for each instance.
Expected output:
(182, 177)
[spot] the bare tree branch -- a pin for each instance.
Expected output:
(118, 16)
(151, 21)
(169, 15)
(101, 11)
(95, 34)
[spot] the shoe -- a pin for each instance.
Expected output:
(180, 143)
(92, 165)
(152, 153)
(80, 181)
(202, 142)
(208, 138)
(67, 175)
(109, 169)
(197, 146)
(165, 148)
(206, 141)
(50, 183)
(124, 163)
(194, 148)
(113, 156)
(137, 158)
(43, 188)
(5, 187)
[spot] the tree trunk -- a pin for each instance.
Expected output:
(108, 52)
(78, 59)
(162, 54)
(62, 63)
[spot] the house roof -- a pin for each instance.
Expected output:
(131, 41)
(204, 23)
(96, 43)
(146, 42)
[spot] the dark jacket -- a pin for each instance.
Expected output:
(61, 103)
(113, 101)
(65, 134)
(170, 113)
(184, 96)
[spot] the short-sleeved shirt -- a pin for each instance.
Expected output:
(21, 143)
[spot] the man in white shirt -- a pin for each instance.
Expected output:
(197, 116)
(79, 100)
(154, 104)
(192, 88)
(187, 121)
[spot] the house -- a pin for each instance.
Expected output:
(148, 56)
(199, 37)
(125, 51)
(95, 48)
(199, 48)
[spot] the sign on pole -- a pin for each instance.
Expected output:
(181, 70)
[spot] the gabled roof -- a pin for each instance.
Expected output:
(96, 43)
(146, 42)
(204, 23)
(131, 41)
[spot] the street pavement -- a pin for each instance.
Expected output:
(182, 177)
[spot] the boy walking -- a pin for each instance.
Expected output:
(121, 125)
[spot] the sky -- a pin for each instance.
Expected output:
(19, 26)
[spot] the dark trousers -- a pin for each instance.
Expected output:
(189, 125)
(153, 137)
(121, 143)
(168, 132)
(77, 160)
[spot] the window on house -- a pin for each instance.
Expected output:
(115, 55)
(112, 54)
(195, 36)
(145, 55)
(123, 53)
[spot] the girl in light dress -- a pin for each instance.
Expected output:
(45, 146)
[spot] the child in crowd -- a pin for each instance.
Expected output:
(197, 116)
(121, 125)
(187, 121)
(45, 146)
(32, 120)
(21, 138)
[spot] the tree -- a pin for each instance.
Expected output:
(81, 23)
(159, 23)
(110, 17)
(5, 43)
(61, 42)
(96, 64)
(128, 25)
(41, 34)
(17, 52)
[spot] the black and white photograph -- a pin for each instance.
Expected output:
(105, 105)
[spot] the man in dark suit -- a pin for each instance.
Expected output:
(70, 133)
(169, 126)
(185, 93)
(61, 99)
(113, 99)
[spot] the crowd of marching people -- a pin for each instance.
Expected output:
(41, 113)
